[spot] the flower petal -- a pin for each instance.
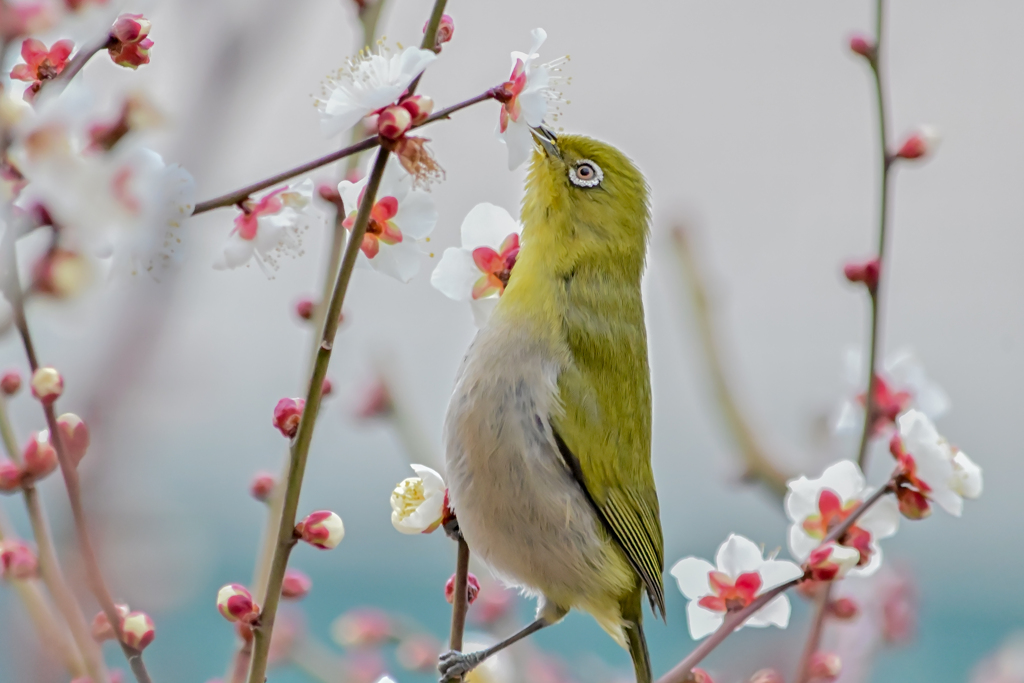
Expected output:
(691, 574)
(775, 613)
(738, 555)
(432, 481)
(702, 622)
(455, 274)
(519, 140)
(969, 483)
(416, 215)
(401, 261)
(483, 309)
(777, 572)
(882, 519)
(487, 225)
(800, 544)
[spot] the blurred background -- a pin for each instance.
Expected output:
(755, 127)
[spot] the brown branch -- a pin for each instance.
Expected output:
(680, 673)
(460, 603)
(759, 464)
(814, 633)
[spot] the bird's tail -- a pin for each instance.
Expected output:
(637, 646)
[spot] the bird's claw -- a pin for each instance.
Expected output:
(453, 665)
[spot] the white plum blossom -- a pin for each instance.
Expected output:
(401, 218)
(903, 384)
(817, 506)
(366, 84)
(532, 94)
(417, 503)
(479, 270)
(741, 575)
(931, 466)
(269, 227)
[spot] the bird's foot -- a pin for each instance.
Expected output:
(451, 529)
(454, 665)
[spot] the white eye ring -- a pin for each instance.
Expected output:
(593, 176)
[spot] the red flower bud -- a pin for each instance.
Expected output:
(445, 31)
(843, 609)
(322, 529)
(74, 436)
(419, 108)
(824, 666)
(138, 630)
(375, 401)
(39, 456)
(913, 504)
(472, 588)
(235, 603)
(17, 561)
(700, 675)
(767, 676)
(288, 414)
(393, 122)
(862, 45)
(919, 144)
(101, 628)
(296, 585)
(10, 382)
(10, 476)
(326, 388)
(47, 384)
(866, 273)
(262, 486)
(129, 41)
(304, 308)
(329, 193)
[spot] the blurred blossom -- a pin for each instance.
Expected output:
(10, 382)
(741, 575)
(1005, 665)
(101, 629)
(47, 384)
(10, 476)
(419, 653)
(824, 666)
(296, 585)
(767, 676)
(74, 436)
(262, 486)
(41, 63)
(903, 385)
(531, 95)
(362, 627)
(17, 561)
(497, 669)
(701, 676)
(919, 144)
(287, 630)
(494, 602)
(364, 666)
(367, 83)
(932, 467)
(375, 400)
(39, 456)
(61, 273)
(816, 506)
(270, 228)
(417, 503)
(898, 596)
(843, 608)
(400, 219)
(479, 270)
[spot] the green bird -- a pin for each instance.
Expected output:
(548, 431)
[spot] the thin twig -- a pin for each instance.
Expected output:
(814, 633)
(92, 569)
(460, 602)
(759, 465)
(300, 445)
(240, 195)
(883, 221)
(76, 64)
(680, 673)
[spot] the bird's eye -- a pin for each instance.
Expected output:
(586, 174)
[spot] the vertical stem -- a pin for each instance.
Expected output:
(300, 445)
(460, 603)
(886, 162)
(814, 635)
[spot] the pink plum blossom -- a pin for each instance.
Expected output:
(270, 227)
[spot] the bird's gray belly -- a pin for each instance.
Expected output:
(518, 505)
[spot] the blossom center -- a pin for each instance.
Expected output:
(379, 227)
(888, 403)
(496, 267)
(511, 108)
(407, 497)
(729, 595)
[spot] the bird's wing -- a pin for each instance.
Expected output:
(603, 433)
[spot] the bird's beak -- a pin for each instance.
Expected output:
(546, 139)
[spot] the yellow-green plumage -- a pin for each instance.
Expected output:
(553, 404)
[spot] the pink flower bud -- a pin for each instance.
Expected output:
(865, 272)
(39, 456)
(393, 122)
(445, 30)
(235, 604)
(322, 529)
(101, 628)
(61, 273)
(262, 486)
(920, 144)
(129, 41)
(419, 108)
(824, 666)
(304, 308)
(287, 414)
(296, 585)
(138, 630)
(832, 561)
(17, 561)
(10, 476)
(472, 588)
(843, 609)
(375, 401)
(912, 503)
(862, 45)
(326, 388)
(767, 676)
(47, 384)
(10, 382)
(362, 627)
(700, 675)
(899, 610)
(74, 436)
(329, 193)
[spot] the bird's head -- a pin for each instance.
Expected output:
(586, 192)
